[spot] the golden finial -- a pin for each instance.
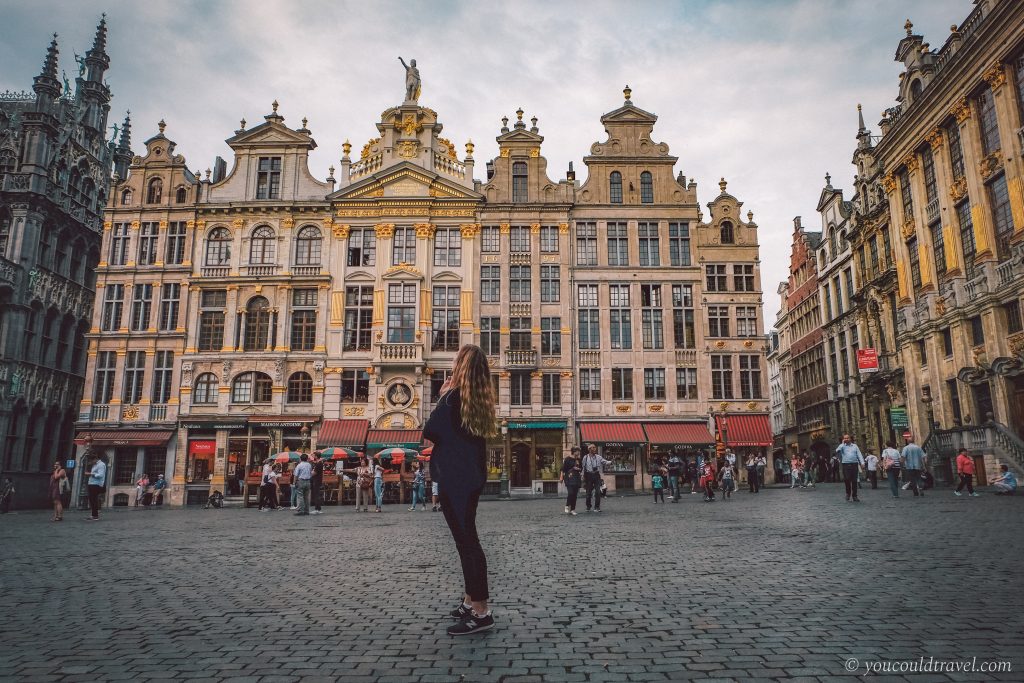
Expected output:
(469, 148)
(161, 126)
(910, 27)
(722, 184)
(858, 106)
(519, 114)
(628, 92)
(274, 105)
(346, 147)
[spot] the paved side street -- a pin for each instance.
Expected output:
(779, 585)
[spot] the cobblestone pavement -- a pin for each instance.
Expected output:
(780, 585)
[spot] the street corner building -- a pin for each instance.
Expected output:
(259, 310)
(55, 167)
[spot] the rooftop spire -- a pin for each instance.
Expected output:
(46, 82)
(50, 63)
(99, 43)
(860, 120)
(125, 142)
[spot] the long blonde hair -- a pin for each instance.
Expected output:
(471, 375)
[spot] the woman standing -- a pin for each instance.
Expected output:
(378, 483)
(459, 427)
(572, 478)
(364, 483)
(419, 489)
(58, 482)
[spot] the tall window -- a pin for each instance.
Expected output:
(218, 247)
(848, 282)
(304, 302)
(618, 245)
(954, 400)
(113, 304)
(956, 152)
(905, 195)
(358, 317)
(686, 383)
(308, 246)
(490, 284)
(873, 253)
(915, 262)
(549, 239)
(646, 188)
(682, 317)
(175, 243)
(650, 244)
(147, 244)
(928, 166)
(750, 376)
(205, 389)
(180, 195)
(155, 192)
(551, 336)
(590, 384)
(268, 178)
(947, 342)
(988, 124)
(551, 389)
(839, 295)
(490, 335)
(401, 313)
(448, 247)
(679, 244)
(1002, 216)
(403, 246)
(252, 387)
(211, 319)
(519, 239)
(938, 248)
(119, 244)
(446, 318)
(519, 182)
(827, 289)
(588, 317)
(1018, 78)
(615, 187)
(652, 324)
(1013, 320)
(490, 239)
(620, 317)
(519, 334)
(134, 372)
(300, 388)
(721, 376)
(654, 384)
(437, 381)
(727, 234)
(142, 304)
(622, 384)
(163, 371)
(519, 280)
(362, 247)
(103, 388)
(963, 214)
(746, 321)
(355, 386)
(977, 331)
(550, 284)
(586, 244)
(718, 321)
(519, 388)
(715, 279)
(263, 247)
(743, 278)
(257, 324)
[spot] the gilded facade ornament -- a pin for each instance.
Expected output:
(409, 125)
(404, 268)
(200, 225)
(935, 139)
(888, 183)
(656, 409)
(354, 411)
(365, 153)
(407, 148)
(469, 148)
(469, 230)
(751, 406)
(990, 164)
(504, 228)
(535, 228)
(723, 406)
(130, 413)
(535, 152)
(136, 225)
(341, 231)
(563, 228)
(995, 76)
(504, 152)
(908, 228)
(911, 162)
(107, 225)
(623, 409)
(287, 222)
(425, 230)
(384, 230)
(961, 110)
(238, 223)
(958, 190)
(451, 148)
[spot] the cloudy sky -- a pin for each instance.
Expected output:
(762, 92)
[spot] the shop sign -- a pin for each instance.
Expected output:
(216, 424)
(202, 447)
(272, 425)
(898, 418)
(70, 465)
(614, 444)
(867, 360)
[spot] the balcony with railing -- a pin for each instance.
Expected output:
(520, 309)
(686, 357)
(520, 258)
(590, 359)
(931, 210)
(526, 358)
(158, 412)
(367, 166)
(261, 270)
(100, 413)
(306, 270)
(977, 287)
(449, 166)
(8, 271)
(214, 271)
(399, 353)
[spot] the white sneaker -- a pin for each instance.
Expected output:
(566, 509)
(975, 495)
(572, 512)
(317, 512)
(957, 493)
(294, 508)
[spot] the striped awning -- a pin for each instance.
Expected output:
(126, 437)
(745, 430)
(348, 433)
(678, 434)
(612, 433)
(377, 439)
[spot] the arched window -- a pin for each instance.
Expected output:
(218, 247)
(915, 89)
(257, 324)
(88, 193)
(252, 387)
(155, 192)
(300, 388)
(181, 195)
(519, 181)
(727, 235)
(615, 187)
(832, 251)
(126, 198)
(8, 162)
(261, 248)
(646, 188)
(205, 389)
(307, 251)
(75, 185)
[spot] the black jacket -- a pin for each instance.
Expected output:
(458, 463)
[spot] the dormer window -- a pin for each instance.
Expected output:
(646, 188)
(615, 188)
(155, 192)
(519, 181)
(268, 178)
(727, 234)
(181, 195)
(915, 89)
(126, 198)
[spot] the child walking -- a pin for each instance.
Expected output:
(728, 482)
(707, 481)
(658, 484)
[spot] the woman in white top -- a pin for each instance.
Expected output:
(891, 464)
(378, 483)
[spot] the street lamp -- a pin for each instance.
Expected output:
(305, 435)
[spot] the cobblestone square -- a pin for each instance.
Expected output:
(780, 585)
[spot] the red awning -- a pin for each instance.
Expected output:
(610, 433)
(349, 433)
(745, 430)
(115, 437)
(678, 433)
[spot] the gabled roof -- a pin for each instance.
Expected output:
(628, 113)
(271, 133)
(417, 182)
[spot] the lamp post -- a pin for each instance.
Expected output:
(505, 492)
(305, 435)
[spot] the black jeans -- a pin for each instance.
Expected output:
(873, 478)
(316, 493)
(659, 492)
(914, 477)
(753, 485)
(467, 542)
(94, 499)
(570, 500)
(593, 485)
(966, 480)
(850, 476)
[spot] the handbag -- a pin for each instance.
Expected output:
(65, 485)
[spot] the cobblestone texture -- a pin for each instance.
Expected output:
(784, 585)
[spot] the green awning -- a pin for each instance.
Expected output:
(379, 439)
(537, 424)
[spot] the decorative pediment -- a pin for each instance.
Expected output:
(447, 276)
(629, 114)
(270, 133)
(359, 276)
(404, 181)
(403, 271)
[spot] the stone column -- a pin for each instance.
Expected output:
(970, 142)
(1007, 116)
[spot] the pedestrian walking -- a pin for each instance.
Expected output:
(459, 428)
(301, 483)
(378, 484)
(872, 464)
(571, 469)
(762, 464)
(852, 460)
(707, 481)
(835, 468)
(58, 484)
(293, 492)
(141, 484)
(965, 468)
(913, 460)
(96, 486)
(675, 469)
(1006, 483)
(795, 472)
(658, 486)
(593, 465)
(753, 478)
(728, 481)
(6, 495)
(807, 464)
(435, 496)
(419, 487)
(268, 487)
(692, 474)
(316, 483)
(891, 464)
(364, 484)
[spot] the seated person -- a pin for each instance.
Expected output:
(1006, 483)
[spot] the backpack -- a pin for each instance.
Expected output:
(365, 481)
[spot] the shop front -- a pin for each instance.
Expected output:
(129, 454)
(535, 449)
(686, 440)
(623, 443)
(202, 450)
(397, 473)
(746, 435)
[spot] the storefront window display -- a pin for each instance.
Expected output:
(495, 461)
(199, 466)
(623, 458)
